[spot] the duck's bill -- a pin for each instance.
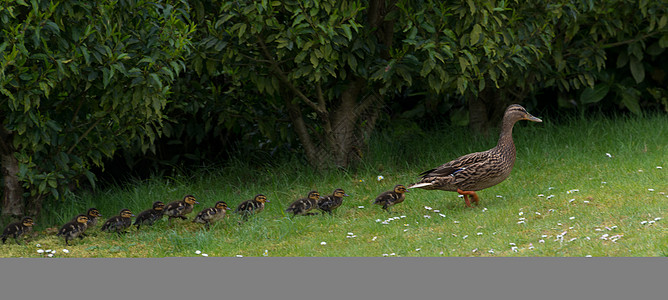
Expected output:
(532, 118)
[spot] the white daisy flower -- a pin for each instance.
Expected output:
(608, 154)
(380, 177)
(198, 252)
(66, 251)
(323, 243)
(40, 250)
(205, 255)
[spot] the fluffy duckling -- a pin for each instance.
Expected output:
(93, 214)
(211, 214)
(179, 209)
(150, 216)
(252, 206)
(118, 223)
(74, 228)
(17, 229)
(390, 198)
(331, 202)
(304, 205)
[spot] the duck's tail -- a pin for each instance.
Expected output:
(420, 185)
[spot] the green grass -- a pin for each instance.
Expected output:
(586, 196)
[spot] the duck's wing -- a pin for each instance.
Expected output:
(457, 165)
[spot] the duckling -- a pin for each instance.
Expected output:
(390, 198)
(74, 228)
(211, 214)
(17, 229)
(92, 214)
(150, 216)
(252, 206)
(178, 209)
(331, 202)
(304, 205)
(118, 223)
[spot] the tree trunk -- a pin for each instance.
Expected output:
(12, 198)
(300, 127)
(344, 124)
(478, 119)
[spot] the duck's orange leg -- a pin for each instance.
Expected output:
(466, 197)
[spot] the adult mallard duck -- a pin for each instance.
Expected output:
(479, 170)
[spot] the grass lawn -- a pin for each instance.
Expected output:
(594, 187)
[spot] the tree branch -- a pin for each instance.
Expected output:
(620, 43)
(69, 151)
(281, 76)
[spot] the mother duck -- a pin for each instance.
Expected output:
(479, 170)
